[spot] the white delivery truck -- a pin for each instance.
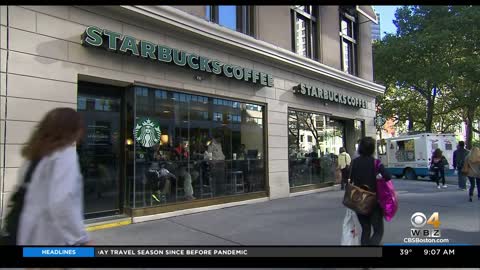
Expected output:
(410, 155)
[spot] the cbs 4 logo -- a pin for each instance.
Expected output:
(419, 220)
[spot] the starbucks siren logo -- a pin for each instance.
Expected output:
(148, 133)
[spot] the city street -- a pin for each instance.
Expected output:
(314, 219)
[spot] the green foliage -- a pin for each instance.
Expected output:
(431, 67)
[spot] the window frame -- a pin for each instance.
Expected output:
(244, 18)
(311, 24)
(346, 15)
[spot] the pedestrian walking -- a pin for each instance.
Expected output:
(363, 173)
(52, 213)
(437, 166)
(344, 161)
(471, 168)
(458, 161)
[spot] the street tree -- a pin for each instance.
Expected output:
(465, 65)
(415, 59)
(403, 106)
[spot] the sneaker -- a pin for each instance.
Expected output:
(438, 186)
(445, 186)
(155, 198)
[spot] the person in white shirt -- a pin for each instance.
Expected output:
(344, 161)
(52, 213)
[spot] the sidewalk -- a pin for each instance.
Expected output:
(314, 219)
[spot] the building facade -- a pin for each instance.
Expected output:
(190, 107)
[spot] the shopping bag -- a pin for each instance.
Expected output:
(351, 231)
(386, 195)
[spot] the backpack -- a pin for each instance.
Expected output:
(16, 204)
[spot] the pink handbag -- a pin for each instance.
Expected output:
(386, 195)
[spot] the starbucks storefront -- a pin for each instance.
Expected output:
(190, 148)
(150, 150)
(177, 121)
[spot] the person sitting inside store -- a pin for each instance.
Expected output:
(242, 152)
(181, 155)
(181, 150)
(160, 180)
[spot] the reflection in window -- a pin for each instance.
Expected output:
(100, 104)
(237, 18)
(359, 131)
(310, 156)
(348, 41)
(82, 103)
(301, 36)
(252, 107)
(234, 118)
(159, 94)
(304, 20)
(217, 116)
(203, 147)
(227, 16)
(208, 12)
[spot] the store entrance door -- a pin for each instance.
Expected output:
(101, 153)
(335, 139)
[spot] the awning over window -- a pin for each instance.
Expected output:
(368, 12)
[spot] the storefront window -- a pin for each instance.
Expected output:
(100, 151)
(190, 147)
(311, 160)
(335, 135)
(359, 127)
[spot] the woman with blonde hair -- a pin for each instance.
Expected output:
(471, 168)
(52, 211)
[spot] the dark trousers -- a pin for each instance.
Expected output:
(472, 186)
(375, 220)
(344, 177)
(462, 180)
(440, 174)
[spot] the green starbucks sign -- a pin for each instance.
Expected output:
(116, 42)
(147, 132)
(329, 95)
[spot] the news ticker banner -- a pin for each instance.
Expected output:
(248, 252)
(240, 256)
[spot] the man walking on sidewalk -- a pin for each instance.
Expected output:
(458, 161)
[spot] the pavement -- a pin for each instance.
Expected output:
(314, 219)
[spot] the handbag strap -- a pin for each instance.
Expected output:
(376, 166)
(29, 173)
(350, 172)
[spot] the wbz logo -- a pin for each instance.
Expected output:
(419, 220)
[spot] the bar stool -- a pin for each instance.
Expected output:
(179, 188)
(206, 190)
(238, 182)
